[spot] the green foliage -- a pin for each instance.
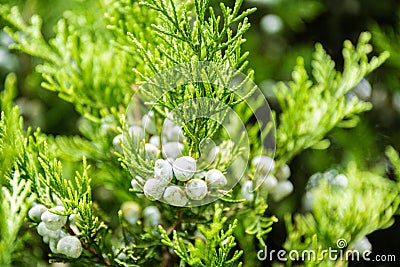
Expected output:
(311, 108)
(214, 250)
(209, 40)
(11, 141)
(365, 205)
(14, 205)
(76, 62)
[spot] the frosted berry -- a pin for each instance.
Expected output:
(213, 154)
(263, 164)
(283, 173)
(184, 168)
(340, 180)
(135, 185)
(175, 196)
(271, 24)
(131, 211)
(152, 216)
(46, 239)
(54, 221)
(53, 246)
(148, 123)
(53, 240)
(363, 90)
(107, 123)
(172, 150)
(247, 190)
(36, 212)
(196, 189)
(308, 201)
(163, 170)
(117, 141)
(168, 123)
(171, 131)
(70, 246)
(73, 221)
(215, 178)
(151, 150)
(155, 140)
(42, 229)
(314, 181)
(136, 132)
(282, 190)
(267, 183)
(174, 134)
(362, 245)
(154, 188)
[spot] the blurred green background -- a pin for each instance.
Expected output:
(281, 31)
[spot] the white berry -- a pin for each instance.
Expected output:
(136, 132)
(152, 216)
(184, 168)
(174, 134)
(172, 150)
(155, 140)
(215, 178)
(282, 190)
(212, 155)
(363, 90)
(135, 185)
(175, 196)
(163, 170)
(148, 123)
(131, 211)
(308, 201)
(283, 173)
(271, 24)
(268, 183)
(73, 221)
(196, 189)
(42, 229)
(53, 240)
(70, 246)
(247, 190)
(36, 212)
(362, 245)
(340, 180)
(171, 131)
(154, 188)
(54, 221)
(263, 164)
(117, 141)
(151, 150)
(46, 239)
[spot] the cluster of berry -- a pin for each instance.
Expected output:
(184, 170)
(172, 138)
(196, 185)
(278, 185)
(51, 229)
